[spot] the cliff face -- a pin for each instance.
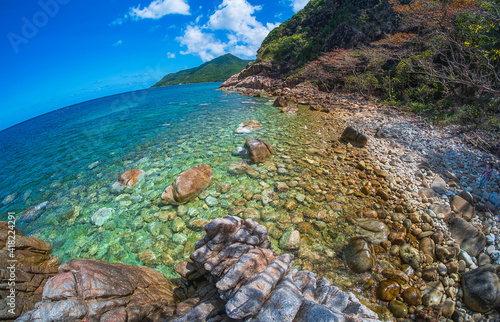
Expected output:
(322, 26)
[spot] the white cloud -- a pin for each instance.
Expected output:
(119, 21)
(235, 19)
(203, 44)
(160, 8)
(299, 4)
(118, 43)
(170, 55)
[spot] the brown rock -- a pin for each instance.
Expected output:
(96, 290)
(352, 135)
(387, 290)
(258, 150)
(359, 254)
(188, 185)
(280, 102)
(463, 209)
(469, 237)
(128, 179)
(412, 296)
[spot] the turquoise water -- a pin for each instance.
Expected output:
(67, 161)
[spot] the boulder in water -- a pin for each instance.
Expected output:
(258, 150)
(188, 185)
(359, 254)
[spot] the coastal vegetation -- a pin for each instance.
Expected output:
(216, 70)
(440, 58)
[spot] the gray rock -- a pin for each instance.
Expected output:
(469, 237)
(481, 289)
(102, 215)
(33, 213)
(439, 185)
(433, 293)
(354, 136)
(290, 240)
(412, 256)
(258, 285)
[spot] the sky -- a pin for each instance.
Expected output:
(55, 53)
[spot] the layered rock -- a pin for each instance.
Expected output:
(93, 290)
(128, 179)
(188, 185)
(258, 150)
(257, 284)
(29, 268)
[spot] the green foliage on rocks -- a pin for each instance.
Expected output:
(216, 70)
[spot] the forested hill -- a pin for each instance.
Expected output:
(440, 58)
(216, 70)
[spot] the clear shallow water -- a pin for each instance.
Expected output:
(71, 157)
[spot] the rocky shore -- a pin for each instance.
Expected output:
(430, 248)
(378, 215)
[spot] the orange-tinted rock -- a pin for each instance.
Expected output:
(412, 296)
(128, 179)
(359, 254)
(188, 185)
(387, 290)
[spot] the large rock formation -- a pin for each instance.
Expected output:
(92, 290)
(188, 185)
(250, 281)
(26, 269)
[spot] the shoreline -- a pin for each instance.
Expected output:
(443, 151)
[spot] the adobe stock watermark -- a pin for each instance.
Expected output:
(30, 27)
(11, 263)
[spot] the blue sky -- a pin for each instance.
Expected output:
(54, 53)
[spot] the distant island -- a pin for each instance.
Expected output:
(216, 70)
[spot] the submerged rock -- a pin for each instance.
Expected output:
(101, 216)
(188, 185)
(290, 109)
(33, 213)
(88, 289)
(374, 229)
(258, 150)
(359, 254)
(249, 126)
(128, 179)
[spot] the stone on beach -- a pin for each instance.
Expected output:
(188, 185)
(469, 237)
(290, 109)
(280, 102)
(128, 179)
(354, 136)
(463, 209)
(481, 288)
(258, 150)
(249, 126)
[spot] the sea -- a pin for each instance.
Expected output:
(59, 168)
